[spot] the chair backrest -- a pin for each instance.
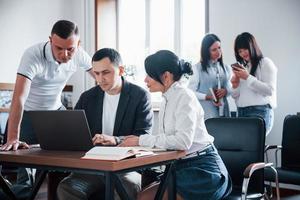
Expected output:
(290, 158)
(240, 142)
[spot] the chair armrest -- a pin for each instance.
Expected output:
(269, 147)
(250, 169)
(254, 167)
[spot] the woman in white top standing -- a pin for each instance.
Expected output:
(212, 76)
(202, 173)
(254, 81)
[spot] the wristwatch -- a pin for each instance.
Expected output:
(119, 139)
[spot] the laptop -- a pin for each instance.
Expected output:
(62, 130)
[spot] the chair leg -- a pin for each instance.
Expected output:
(276, 182)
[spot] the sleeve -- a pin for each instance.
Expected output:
(144, 115)
(228, 74)
(29, 64)
(85, 61)
(195, 82)
(267, 85)
(185, 125)
(235, 93)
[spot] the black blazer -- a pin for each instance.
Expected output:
(134, 113)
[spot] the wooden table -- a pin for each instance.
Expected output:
(70, 161)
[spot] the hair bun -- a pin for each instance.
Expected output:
(185, 67)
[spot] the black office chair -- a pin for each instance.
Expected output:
(289, 171)
(240, 143)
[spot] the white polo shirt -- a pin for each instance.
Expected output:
(48, 77)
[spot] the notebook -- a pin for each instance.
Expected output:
(62, 130)
(116, 153)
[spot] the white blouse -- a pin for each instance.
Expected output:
(259, 89)
(181, 122)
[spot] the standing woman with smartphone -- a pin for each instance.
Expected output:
(211, 79)
(254, 85)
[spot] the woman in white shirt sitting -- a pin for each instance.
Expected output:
(202, 173)
(254, 81)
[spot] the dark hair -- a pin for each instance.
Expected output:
(207, 41)
(247, 41)
(164, 60)
(112, 54)
(64, 29)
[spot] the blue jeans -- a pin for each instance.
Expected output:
(203, 176)
(263, 111)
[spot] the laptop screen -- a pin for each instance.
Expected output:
(61, 130)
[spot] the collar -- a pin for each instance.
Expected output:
(213, 63)
(125, 85)
(48, 55)
(172, 89)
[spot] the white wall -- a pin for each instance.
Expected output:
(276, 26)
(274, 23)
(26, 22)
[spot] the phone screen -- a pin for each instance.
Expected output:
(237, 65)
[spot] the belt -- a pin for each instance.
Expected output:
(199, 153)
(257, 106)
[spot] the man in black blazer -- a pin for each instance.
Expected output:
(133, 114)
(114, 108)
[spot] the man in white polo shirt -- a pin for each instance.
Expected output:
(42, 74)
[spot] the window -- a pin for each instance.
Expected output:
(146, 26)
(193, 29)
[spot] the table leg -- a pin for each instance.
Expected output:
(164, 183)
(109, 186)
(120, 188)
(37, 184)
(172, 186)
(54, 178)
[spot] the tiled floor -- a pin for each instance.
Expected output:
(286, 194)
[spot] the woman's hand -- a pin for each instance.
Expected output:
(220, 93)
(217, 103)
(130, 141)
(241, 73)
(209, 97)
(235, 81)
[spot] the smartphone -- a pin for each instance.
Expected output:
(237, 65)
